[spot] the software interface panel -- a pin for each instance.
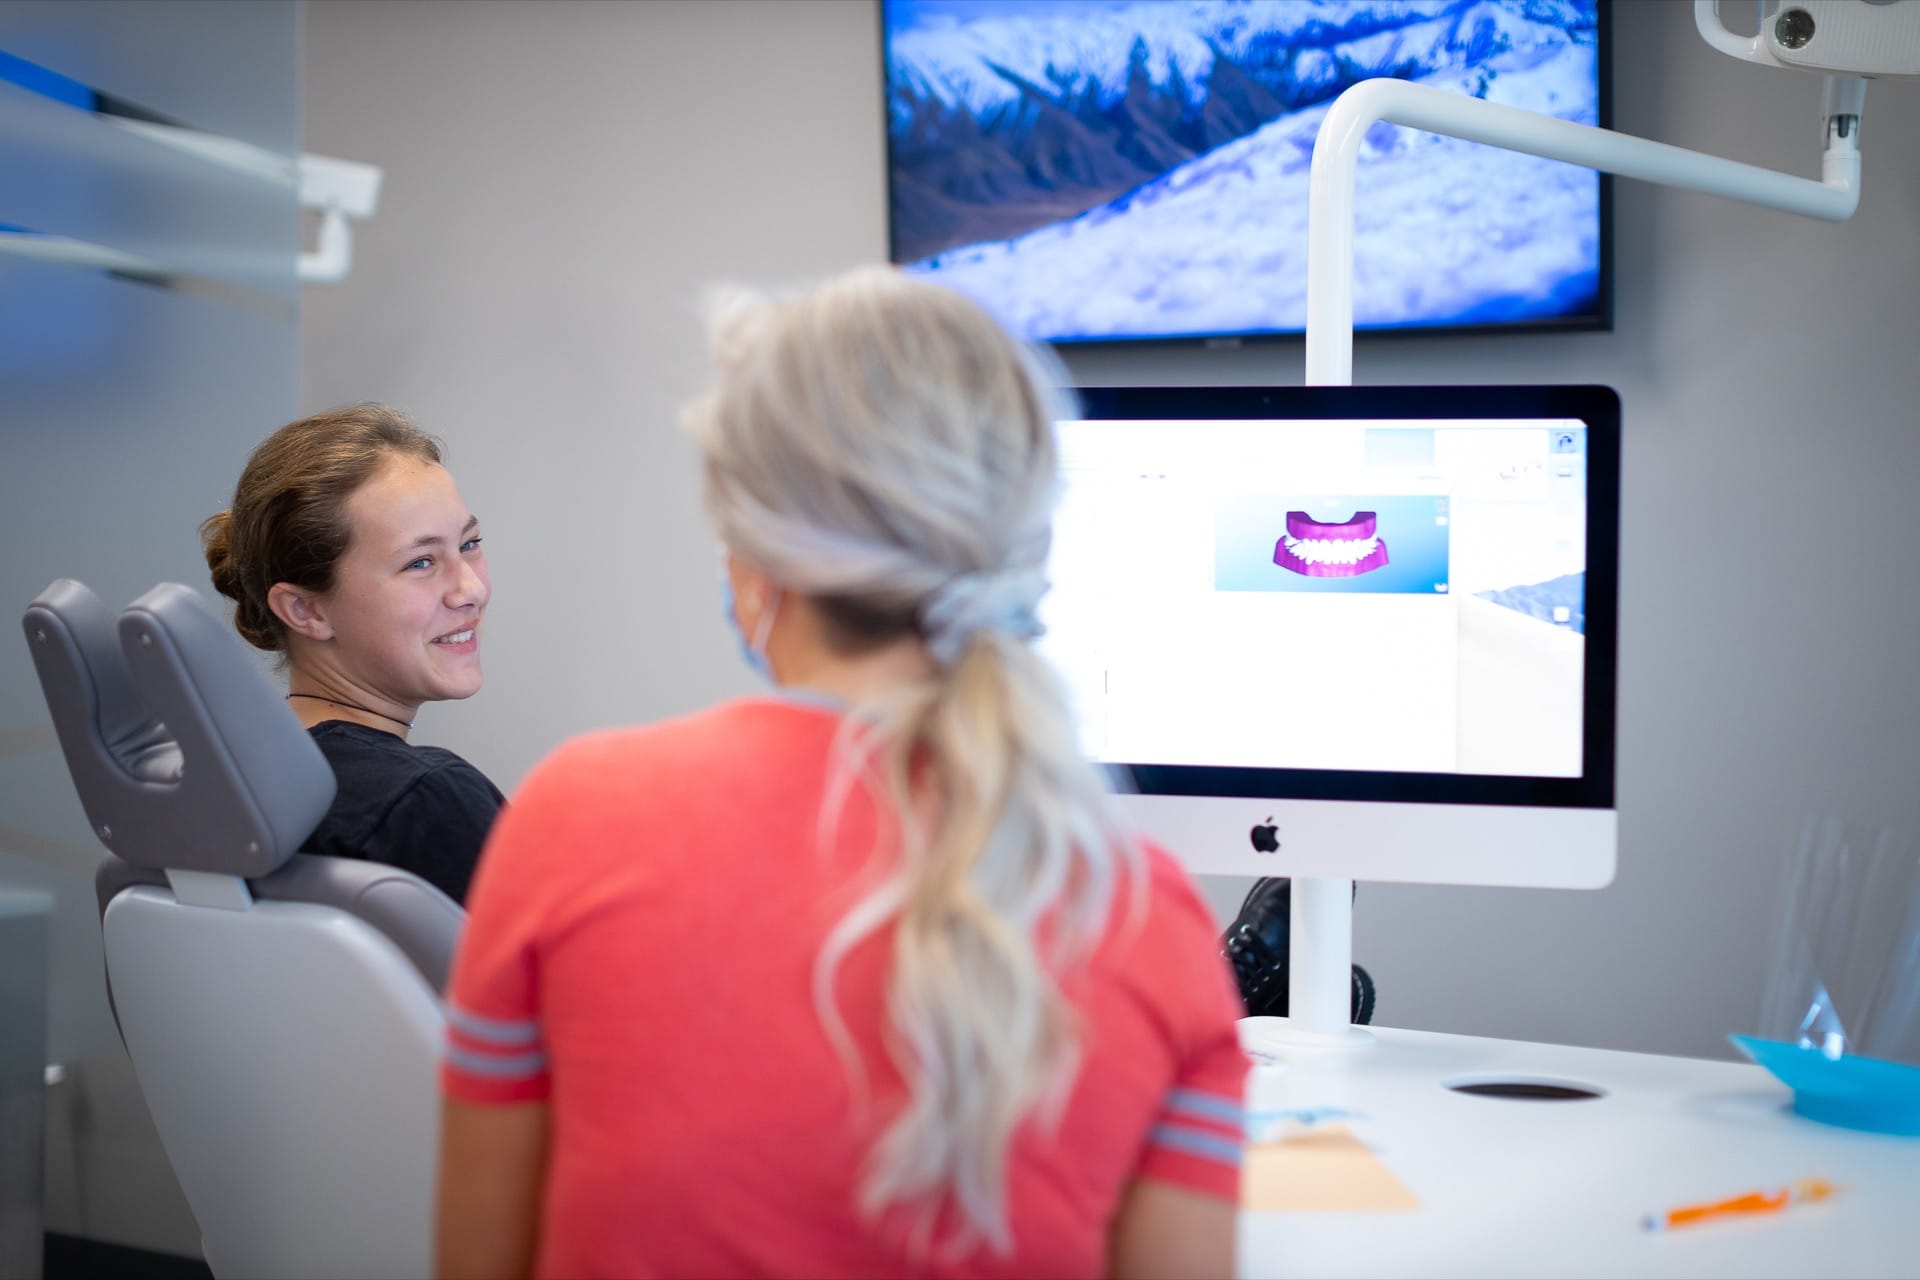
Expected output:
(1354, 595)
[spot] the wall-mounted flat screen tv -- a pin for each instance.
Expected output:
(1104, 170)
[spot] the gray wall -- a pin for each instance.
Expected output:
(563, 179)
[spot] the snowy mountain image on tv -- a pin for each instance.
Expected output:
(1104, 169)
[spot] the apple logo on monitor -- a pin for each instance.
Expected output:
(1266, 837)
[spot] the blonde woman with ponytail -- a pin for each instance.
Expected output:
(857, 978)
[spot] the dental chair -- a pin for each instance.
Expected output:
(281, 1009)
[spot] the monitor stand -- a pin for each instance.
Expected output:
(1320, 968)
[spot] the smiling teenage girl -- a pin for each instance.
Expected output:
(349, 550)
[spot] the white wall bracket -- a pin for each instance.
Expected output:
(339, 189)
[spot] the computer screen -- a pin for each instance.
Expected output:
(1112, 170)
(1290, 607)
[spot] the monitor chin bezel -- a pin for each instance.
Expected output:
(1509, 846)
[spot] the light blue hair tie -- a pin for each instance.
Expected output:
(1006, 602)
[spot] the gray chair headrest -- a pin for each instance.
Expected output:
(182, 752)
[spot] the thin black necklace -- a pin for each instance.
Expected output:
(354, 705)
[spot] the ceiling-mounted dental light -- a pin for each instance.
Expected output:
(1833, 37)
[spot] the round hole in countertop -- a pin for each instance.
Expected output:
(1525, 1088)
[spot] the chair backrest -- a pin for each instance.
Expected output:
(281, 1009)
(132, 708)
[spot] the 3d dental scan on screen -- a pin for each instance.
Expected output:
(1356, 632)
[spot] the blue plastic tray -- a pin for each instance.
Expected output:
(1850, 1091)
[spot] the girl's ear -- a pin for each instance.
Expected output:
(299, 611)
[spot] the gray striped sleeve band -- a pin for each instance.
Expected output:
(1205, 1106)
(1196, 1142)
(498, 1066)
(492, 1030)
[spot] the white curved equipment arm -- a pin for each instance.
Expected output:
(1321, 938)
(1330, 184)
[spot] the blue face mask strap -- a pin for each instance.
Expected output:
(754, 655)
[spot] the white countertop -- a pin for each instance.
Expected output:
(1536, 1188)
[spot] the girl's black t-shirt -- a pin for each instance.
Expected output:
(422, 809)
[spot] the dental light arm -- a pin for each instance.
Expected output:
(1330, 184)
(1844, 39)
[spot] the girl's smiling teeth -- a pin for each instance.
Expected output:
(455, 637)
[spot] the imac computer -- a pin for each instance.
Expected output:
(1347, 633)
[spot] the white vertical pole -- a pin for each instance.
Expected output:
(1319, 957)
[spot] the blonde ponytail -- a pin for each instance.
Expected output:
(883, 447)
